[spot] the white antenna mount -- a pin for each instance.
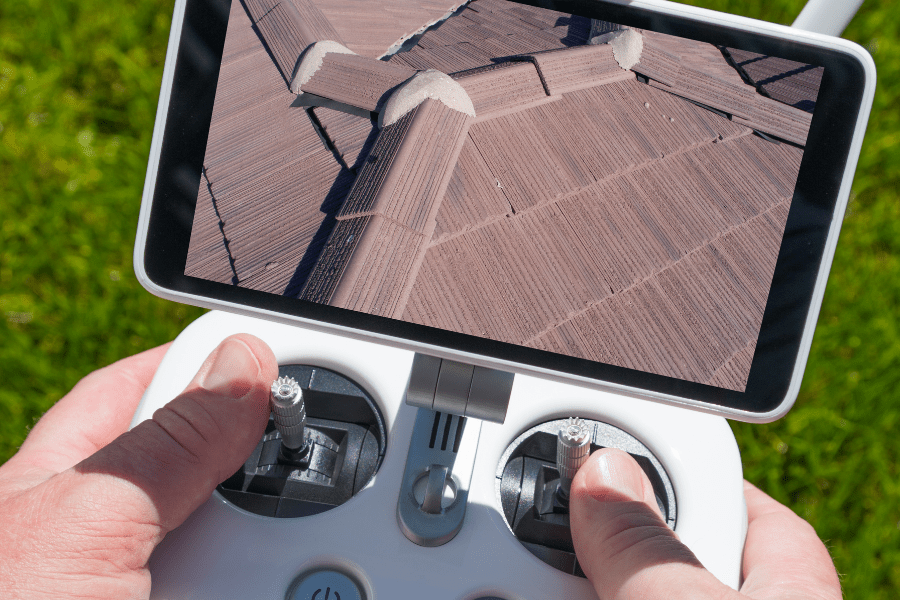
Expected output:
(827, 16)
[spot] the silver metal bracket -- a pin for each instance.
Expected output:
(453, 387)
(435, 489)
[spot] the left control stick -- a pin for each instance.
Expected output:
(289, 415)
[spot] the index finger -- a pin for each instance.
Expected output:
(783, 555)
(96, 411)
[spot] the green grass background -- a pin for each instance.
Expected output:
(79, 82)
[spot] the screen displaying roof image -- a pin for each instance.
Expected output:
(507, 172)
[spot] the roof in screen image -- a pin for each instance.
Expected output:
(508, 172)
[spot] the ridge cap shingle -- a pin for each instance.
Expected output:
(430, 84)
(311, 59)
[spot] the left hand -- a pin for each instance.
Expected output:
(84, 502)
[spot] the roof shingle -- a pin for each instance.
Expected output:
(356, 80)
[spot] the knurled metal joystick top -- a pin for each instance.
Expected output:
(573, 447)
(289, 413)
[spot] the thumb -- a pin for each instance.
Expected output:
(166, 467)
(622, 543)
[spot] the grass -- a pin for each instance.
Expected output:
(79, 83)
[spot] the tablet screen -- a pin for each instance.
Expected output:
(603, 192)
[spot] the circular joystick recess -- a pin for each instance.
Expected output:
(528, 484)
(344, 439)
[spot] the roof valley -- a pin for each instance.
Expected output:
(287, 28)
(257, 200)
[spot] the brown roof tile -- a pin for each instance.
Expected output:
(369, 29)
(732, 98)
(551, 150)
(422, 179)
(351, 135)
(632, 245)
(702, 73)
(781, 120)
(452, 279)
(273, 179)
(356, 80)
(419, 170)
(282, 28)
(523, 161)
(275, 213)
(375, 169)
(733, 374)
(335, 255)
(793, 83)
(641, 241)
(498, 24)
(447, 59)
(316, 26)
(456, 31)
(686, 321)
(381, 268)
(483, 6)
(400, 187)
(695, 55)
(577, 274)
(296, 23)
(472, 197)
(611, 220)
(256, 8)
(501, 87)
(242, 39)
(579, 67)
(540, 18)
(658, 64)
(488, 30)
(208, 252)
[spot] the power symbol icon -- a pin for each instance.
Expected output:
(327, 595)
(326, 585)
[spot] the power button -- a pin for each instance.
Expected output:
(325, 585)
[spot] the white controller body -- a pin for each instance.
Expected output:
(223, 552)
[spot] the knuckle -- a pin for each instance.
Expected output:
(190, 425)
(640, 532)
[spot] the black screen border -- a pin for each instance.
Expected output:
(796, 271)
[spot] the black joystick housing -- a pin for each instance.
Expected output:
(344, 439)
(537, 511)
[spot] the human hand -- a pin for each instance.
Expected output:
(84, 503)
(627, 551)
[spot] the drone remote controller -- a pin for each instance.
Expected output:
(357, 491)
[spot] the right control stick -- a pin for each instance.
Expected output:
(535, 481)
(573, 447)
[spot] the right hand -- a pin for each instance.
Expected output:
(628, 552)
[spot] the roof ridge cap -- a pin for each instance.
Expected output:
(311, 59)
(421, 86)
(627, 46)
